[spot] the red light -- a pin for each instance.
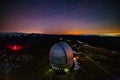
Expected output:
(14, 47)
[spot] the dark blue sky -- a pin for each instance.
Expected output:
(60, 16)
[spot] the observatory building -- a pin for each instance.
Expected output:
(61, 56)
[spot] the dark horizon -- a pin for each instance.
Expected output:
(102, 35)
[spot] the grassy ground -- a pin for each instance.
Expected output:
(38, 66)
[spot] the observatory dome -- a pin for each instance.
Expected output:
(61, 55)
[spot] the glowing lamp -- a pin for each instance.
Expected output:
(66, 69)
(14, 47)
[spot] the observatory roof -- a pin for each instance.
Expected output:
(61, 53)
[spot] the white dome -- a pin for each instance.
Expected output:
(61, 54)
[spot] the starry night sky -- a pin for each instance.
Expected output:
(60, 16)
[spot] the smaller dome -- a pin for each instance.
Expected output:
(61, 55)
